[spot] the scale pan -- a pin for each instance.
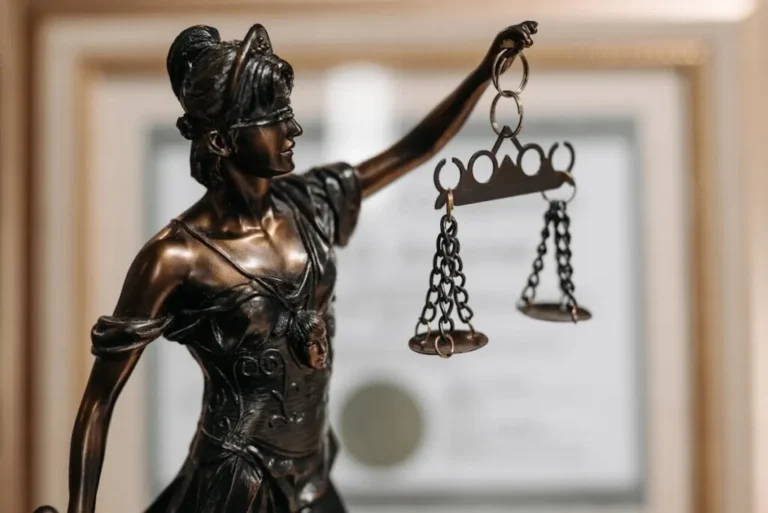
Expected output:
(459, 341)
(554, 312)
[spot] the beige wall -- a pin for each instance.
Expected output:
(585, 10)
(755, 112)
(12, 268)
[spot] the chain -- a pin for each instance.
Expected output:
(529, 292)
(446, 286)
(498, 67)
(447, 248)
(461, 296)
(563, 255)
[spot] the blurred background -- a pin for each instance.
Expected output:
(654, 406)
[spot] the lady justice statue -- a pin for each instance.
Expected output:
(245, 280)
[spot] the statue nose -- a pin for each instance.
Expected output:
(295, 129)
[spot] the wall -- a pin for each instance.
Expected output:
(585, 10)
(754, 59)
(12, 263)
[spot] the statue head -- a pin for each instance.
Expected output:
(236, 101)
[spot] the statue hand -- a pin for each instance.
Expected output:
(517, 37)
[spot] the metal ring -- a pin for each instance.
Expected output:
(449, 202)
(437, 347)
(422, 323)
(498, 63)
(573, 193)
(519, 105)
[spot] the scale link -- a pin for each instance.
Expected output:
(441, 284)
(502, 62)
(447, 288)
(529, 292)
(563, 255)
(556, 223)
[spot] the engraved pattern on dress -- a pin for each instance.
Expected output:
(272, 364)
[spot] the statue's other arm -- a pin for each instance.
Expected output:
(158, 270)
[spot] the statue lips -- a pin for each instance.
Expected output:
(288, 152)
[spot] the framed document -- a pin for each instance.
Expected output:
(553, 415)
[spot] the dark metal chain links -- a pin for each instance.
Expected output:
(563, 256)
(446, 283)
(529, 292)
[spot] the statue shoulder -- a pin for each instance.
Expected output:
(159, 268)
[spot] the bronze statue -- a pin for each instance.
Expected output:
(245, 279)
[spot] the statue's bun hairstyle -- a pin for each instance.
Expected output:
(200, 68)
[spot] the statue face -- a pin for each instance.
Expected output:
(317, 355)
(317, 348)
(266, 150)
